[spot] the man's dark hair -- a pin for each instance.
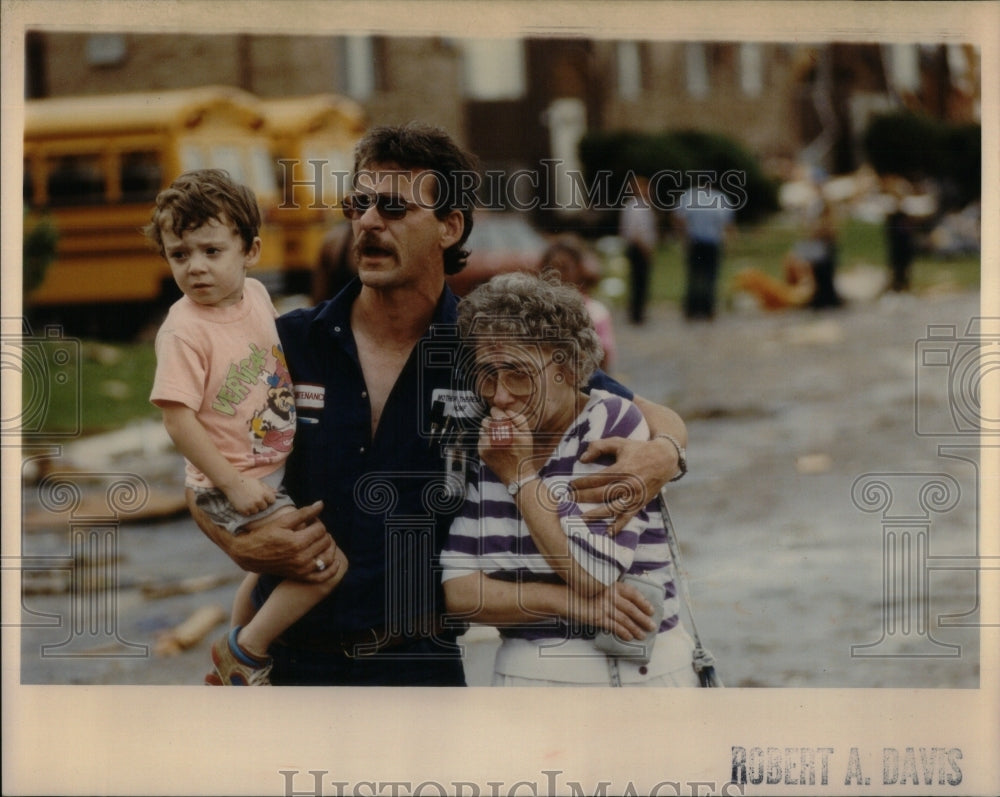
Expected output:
(422, 147)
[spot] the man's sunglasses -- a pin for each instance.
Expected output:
(391, 207)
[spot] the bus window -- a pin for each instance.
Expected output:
(192, 157)
(76, 180)
(262, 176)
(228, 158)
(142, 176)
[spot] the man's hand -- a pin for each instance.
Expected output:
(640, 470)
(289, 546)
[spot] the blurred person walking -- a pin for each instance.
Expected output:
(704, 217)
(819, 250)
(637, 225)
(899, 232)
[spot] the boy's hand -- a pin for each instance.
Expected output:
(249, 496)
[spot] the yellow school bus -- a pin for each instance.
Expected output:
(313, 140)
(94, 165)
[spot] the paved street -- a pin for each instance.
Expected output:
(800, 424)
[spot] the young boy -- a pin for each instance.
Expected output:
(226, 395)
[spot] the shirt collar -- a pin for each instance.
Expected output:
(334, 315)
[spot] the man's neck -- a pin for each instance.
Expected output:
(387, 326)
(394, 317)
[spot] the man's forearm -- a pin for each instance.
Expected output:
(662, 420)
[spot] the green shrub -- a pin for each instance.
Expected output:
(917, 147)
(621, 152)
(39, 249)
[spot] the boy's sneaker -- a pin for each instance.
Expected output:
(234, 667)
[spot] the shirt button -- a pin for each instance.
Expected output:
(336, 329)
(643, 670)
(364, 394)
(362, 449)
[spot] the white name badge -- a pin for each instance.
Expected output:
(458, 403)
(310, 397)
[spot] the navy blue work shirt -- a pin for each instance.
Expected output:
(384, 501)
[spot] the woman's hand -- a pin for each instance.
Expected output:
(505, 444)
(620, 608)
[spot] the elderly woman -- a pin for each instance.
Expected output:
(523, 555)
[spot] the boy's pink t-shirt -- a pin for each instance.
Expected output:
(226, 364)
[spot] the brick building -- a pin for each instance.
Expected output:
(517, 101)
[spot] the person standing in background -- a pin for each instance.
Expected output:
(704, 217)
(637, 226)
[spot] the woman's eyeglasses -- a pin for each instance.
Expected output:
(391, 207)
(518, 380)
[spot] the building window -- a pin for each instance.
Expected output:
(493, 69)
(628, 60)
(696, 69)
(751, 69)
(106, 49)
(359, 67)
(904, 67)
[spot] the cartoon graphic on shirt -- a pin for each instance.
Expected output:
(272, 427)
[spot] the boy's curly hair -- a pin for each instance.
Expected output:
(198, 196)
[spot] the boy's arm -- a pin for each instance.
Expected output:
(246, 494)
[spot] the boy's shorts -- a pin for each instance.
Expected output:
(213, 502)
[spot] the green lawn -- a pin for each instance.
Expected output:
(70, 386)
(763, 247)
(114, 379)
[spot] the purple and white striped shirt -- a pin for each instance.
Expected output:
(490, 535)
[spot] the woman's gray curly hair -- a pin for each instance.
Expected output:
(541, 310)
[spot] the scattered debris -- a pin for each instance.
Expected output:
(93, 504)
(145, 440)
(811, 464)
(189, 633)
(187, 586)
(818, 333)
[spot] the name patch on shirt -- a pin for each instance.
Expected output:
(458, 403)
(310, 397)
